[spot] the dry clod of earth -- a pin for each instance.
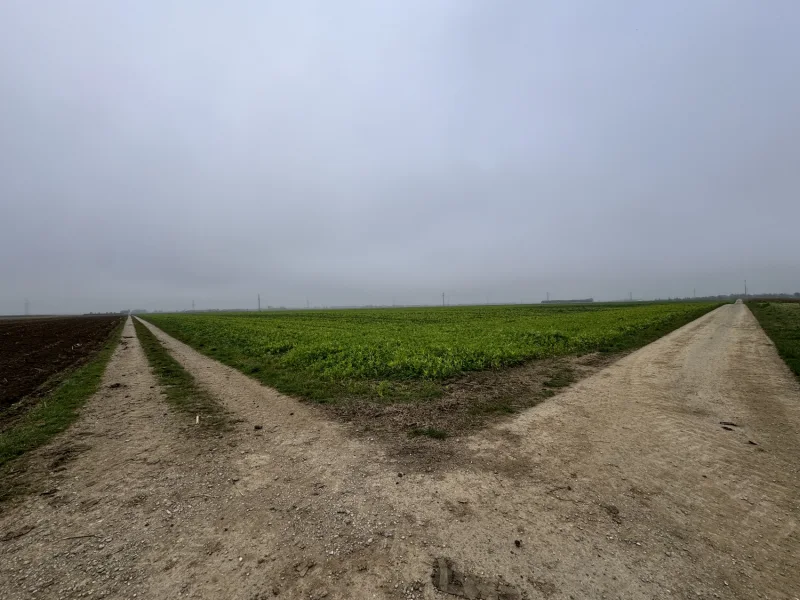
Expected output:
(622, 485)
(446, 579)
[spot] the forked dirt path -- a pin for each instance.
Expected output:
(624, 486)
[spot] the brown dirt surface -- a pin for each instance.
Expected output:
(470, 401)
(33, 350)
(625, 485)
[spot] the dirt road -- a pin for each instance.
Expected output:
(627, 485)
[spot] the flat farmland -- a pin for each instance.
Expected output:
(413, 353)
(32, 350)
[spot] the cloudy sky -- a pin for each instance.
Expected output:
(155, 153)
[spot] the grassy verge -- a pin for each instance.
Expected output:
(431, 432)
(781, 321)
(182, 391)
(58, 409)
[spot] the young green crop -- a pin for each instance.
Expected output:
(408, 352)
(781, 321)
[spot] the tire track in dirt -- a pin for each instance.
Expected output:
(101, 493)
(114, 495)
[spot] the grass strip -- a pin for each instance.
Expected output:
(431, 432)
(181, 389)
(58, 409)
(781, 322)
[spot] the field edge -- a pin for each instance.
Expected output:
(308, 386)
(59, 408)
(460, 404)
(781, 322)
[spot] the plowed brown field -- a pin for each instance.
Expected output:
(33, 350)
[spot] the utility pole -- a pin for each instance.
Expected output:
(694, 292)
(192, 305)
(442, 298)
(27, 307)
(548, 296)
(745, 288)
(630, 296)
(259, 303)
(308, 305)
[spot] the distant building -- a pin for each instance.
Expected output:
(583, 301)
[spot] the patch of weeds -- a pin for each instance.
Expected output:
(384, 389)
(182, 391)
(781, 322)
(493, 407)
(559, 379)
(58, 409)
(431, 432)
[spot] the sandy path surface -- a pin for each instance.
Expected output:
(625, 486)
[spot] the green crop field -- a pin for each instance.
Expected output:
(781, 321)
(407, 353)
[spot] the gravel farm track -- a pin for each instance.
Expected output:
(672, 473)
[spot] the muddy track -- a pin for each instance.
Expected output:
(625, 485)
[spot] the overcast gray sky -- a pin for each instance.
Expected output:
(155, 153)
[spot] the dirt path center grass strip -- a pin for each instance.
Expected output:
(182, 391)
(59, 409)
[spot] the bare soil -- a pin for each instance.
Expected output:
(626, 485)
(472, 399)
(33, 350)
